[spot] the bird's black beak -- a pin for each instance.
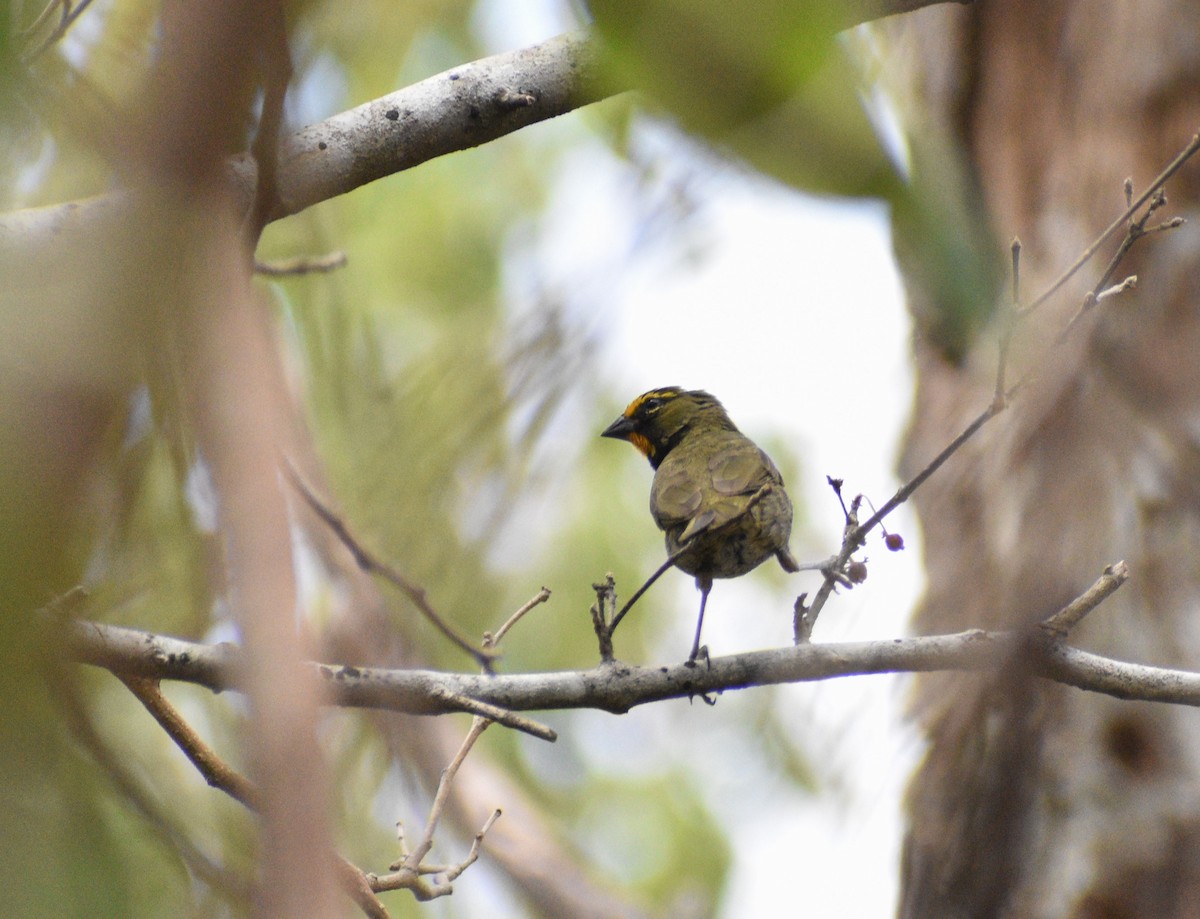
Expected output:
(620, 429)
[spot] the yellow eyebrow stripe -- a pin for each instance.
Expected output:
(653, 394)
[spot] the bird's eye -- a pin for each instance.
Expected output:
(652, 405)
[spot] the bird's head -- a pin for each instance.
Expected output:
(656, 421)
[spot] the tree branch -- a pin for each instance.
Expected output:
(461, 108)
(370, 563)
(618, 687)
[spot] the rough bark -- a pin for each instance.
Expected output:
(1035, 800)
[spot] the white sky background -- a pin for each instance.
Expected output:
(792, 315)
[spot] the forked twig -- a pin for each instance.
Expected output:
(1173, 167)
(411, 872)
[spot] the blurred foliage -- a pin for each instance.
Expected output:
(458, 431)
(955, 267)
(774, 87)
(784, 90)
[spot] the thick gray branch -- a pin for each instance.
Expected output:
(455, 110)
(619, 687)
(461, 108)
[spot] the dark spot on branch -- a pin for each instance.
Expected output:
(339, 673)
(322, 145)
(392, 114)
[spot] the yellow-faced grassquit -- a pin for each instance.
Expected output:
(716, 495)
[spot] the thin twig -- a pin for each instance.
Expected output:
(319, 264)
(491, 641)
(223, 777)
(1093, 299)
(453, 871)
(1072, 614)
(1137, 229)
(1010, 321)
(1128, 284)
(372, 565)
(606, 600)
(1173, 167)
(66, 20)
(417, 856)
(855, 537)
(494, 713)
(81, 725)
(214, 770)
(409, 872)
(906, 491)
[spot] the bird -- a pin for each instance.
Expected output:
(716, 495)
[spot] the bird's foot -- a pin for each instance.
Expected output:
(698, 653)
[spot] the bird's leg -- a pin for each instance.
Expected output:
(705, 585)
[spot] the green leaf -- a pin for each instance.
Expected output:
(771, 85)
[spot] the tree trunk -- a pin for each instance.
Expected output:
(1037, 800)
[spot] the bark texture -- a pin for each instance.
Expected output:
(1036, 800)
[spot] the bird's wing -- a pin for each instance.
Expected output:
(734, 472)
(741, 468)
(675, 497)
